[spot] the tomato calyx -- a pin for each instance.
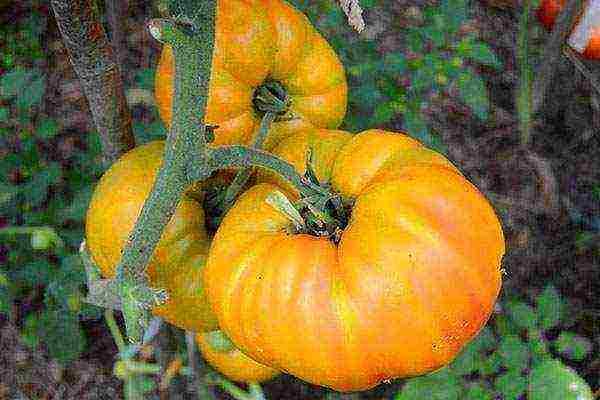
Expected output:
(271, 96)
(324, 214)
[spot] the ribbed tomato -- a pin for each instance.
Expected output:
(258, 41)
(234, 364)
(413, 277)
(179, 257)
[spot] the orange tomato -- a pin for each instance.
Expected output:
(413, 278)
(256, 41)
(179, 257)
(234, 364)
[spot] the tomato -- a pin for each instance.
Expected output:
(257, 41)
(413, 277)
(547, 14)
(233, 363)
(179, 257)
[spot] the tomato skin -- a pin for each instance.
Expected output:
(179, 257)
(256, 40)
(234, 364)
(413, 279)
(547, 14)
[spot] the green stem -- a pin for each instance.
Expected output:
(114, 330)
(256, 391)
(233, 389)
(185, 142)
(242, 176)
(524, 96)
(203, 391)
(242, 157)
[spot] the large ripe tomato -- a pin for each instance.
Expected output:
(547, 14)
(413, 278)
(234, 364)
(257, 41)
(180, 255)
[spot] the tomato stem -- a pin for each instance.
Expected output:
(271, 96)
(243, 175)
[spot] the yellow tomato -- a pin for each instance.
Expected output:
(179, 257)
(257, 41)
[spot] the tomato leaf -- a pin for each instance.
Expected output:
(472, 92)
(552, 380)
(441, 385)
(573, 346)
(478, 391)
(514, 353)
(522, 315)
(511, 384)
(549, 307)
(483, 54)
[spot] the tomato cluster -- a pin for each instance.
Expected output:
(390, 280)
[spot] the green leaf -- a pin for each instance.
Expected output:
(35, 190)
(573, 346)
(483, 54)
(549, 307)
(78, 207)
(395, 63)
(472, 92)
(434, 33)
(505, 326)
(478, 391)
(552, 380)
(144, 78)
(47, 129)
(414, 40)
(4, 114)
(15, 82)
(474, 354)
(511, 384)
(33, 94)
(383, 113)
(441, 385)
(62, 334)
(422, 78)
(455, 14)
(537, 345)
(31, 330)
(7, 194)
(415, 126)
(491, 364)
(6, 294)
(514, 353)
(522, 314)
(36, 272)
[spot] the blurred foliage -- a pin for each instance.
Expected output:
(441, 57)
(517, 353)
(42, 203)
